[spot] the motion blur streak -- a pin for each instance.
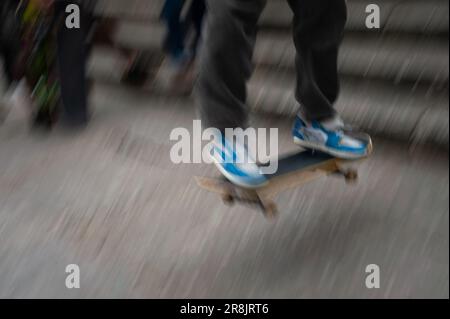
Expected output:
(108, 199)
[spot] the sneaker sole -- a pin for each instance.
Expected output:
(327, 150)
(232, 180)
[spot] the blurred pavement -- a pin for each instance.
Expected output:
(109, 200)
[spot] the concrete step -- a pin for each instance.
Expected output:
(416, 16)
(413, 113)
(141, 35)
(413, 16)
(395, 57)
(131, 9)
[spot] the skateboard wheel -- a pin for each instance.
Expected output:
(271, 210)
(228, 199)
(351, 176)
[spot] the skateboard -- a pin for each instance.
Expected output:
(294, 170)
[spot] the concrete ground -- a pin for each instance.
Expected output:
(110, 200)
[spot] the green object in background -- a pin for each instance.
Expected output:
(40, 40)
(46, 94)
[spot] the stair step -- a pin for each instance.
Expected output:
(412, 113)
(416, 16)
(393, 57)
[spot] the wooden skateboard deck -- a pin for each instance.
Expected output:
(294, 170)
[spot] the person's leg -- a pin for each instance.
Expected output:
(10, 26)
(196, 15)
(2, 89)
(184, 78)
(8, 56)
(225, 66)
(174, 42)
(226, 61)
(72, 55)
(14, 92)
(318, 30)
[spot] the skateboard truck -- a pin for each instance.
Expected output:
(350, 174)
(232, 194)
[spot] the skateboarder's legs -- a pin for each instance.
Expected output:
(226, 66)
(318, 28)
(226, 61)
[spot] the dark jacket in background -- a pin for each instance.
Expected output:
(72, 58)
(9, 37)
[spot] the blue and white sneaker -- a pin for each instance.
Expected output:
(236, 164)
(329, 137)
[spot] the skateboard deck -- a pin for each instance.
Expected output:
(294, 170)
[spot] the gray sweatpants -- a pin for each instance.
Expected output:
(226, 58)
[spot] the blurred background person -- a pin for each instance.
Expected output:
(52, 58)
(9, 40)
(10, 45)
(184, 32)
